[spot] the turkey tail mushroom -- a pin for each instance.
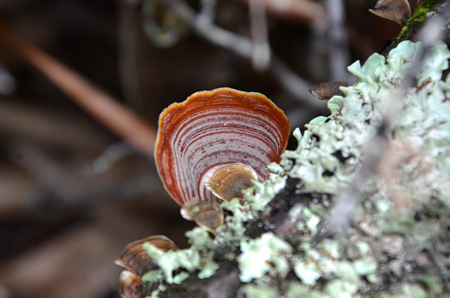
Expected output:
(212, 145)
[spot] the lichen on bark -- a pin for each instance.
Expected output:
(398, 243)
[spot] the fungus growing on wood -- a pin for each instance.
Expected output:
(137, 262)
(212, 145)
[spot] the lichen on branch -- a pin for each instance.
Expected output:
(397, 244)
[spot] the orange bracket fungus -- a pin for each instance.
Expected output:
(212, 145)
(137, 262)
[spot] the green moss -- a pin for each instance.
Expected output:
(419, 16)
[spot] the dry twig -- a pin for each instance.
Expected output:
(301, 11)
(338, 53)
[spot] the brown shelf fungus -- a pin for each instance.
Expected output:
(212, 145)
(137, 262)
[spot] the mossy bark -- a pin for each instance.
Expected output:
(413, 25)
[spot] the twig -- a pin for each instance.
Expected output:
(295, 86)
(338, 54)
(7, 82)
(242, 46)
(208, 11)
(218, 36)
(301, 11)
(111, 155)
(98, 103)
(315, 14)
(261, 48)
(341, 213)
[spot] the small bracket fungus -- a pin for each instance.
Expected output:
(207, 214)
(227, 181)
(212, 145)
(137, 262)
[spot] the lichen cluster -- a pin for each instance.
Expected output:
(398, 244)
(332, 146)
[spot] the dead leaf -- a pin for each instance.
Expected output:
(394, 10)
(326, 91)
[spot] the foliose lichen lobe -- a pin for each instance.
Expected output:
(404, 210)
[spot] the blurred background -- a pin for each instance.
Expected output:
(72, 194)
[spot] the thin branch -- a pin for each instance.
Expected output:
(295, 86)
(218, 36)
(338, 53)
(7, 82)
(300, 11)
(208, 11)
(260, 39)
(341, 213)
(106, 109)
(109, 157)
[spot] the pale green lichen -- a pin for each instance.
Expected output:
(195, 258)
(208, 270)
(312, 220)
(170, 261)
(152, 276)
(260, 255)
(423, 125)
(326, 261)
(296, 290)
(307, 271)
(411, 290)
(260, 291)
